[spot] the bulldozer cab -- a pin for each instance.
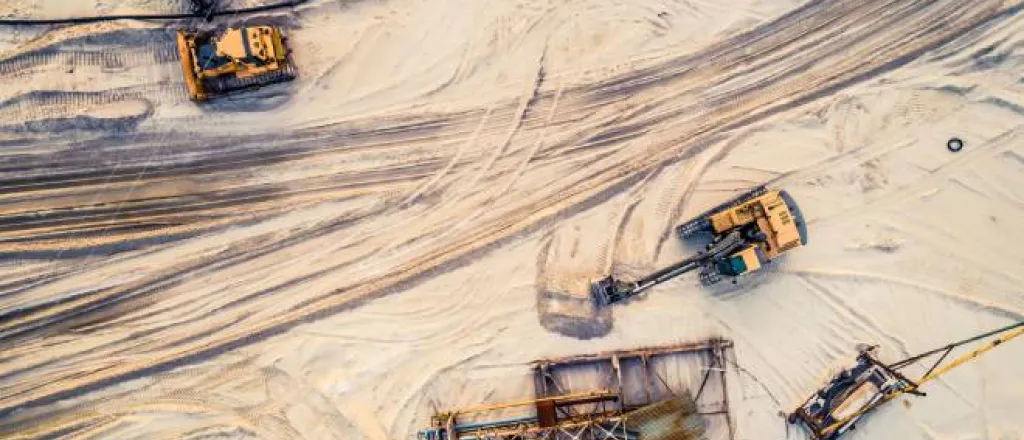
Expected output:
(255, 46)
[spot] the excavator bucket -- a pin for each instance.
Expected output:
(195, 86)
(608, 291)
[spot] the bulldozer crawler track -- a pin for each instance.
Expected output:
(230, 85)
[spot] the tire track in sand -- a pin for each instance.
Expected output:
(527, 207)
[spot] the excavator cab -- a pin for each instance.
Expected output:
(747, 260)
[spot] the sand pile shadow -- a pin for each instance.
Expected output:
(564, 303)
(573, 315)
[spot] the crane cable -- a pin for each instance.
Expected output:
(1017, 330)
(912, 359)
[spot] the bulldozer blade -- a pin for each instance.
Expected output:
(196, 92)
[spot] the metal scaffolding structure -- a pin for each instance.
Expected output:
(547, 381)
(593, 428)
(603, 414)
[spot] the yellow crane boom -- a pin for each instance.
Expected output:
(972, 355)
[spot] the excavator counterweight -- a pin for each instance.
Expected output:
(745, 233)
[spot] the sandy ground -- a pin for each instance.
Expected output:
(417, 217)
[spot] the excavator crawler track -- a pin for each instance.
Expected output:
(702, 223)
(694, 227)
(709, 276)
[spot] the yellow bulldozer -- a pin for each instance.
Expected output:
(216, 64)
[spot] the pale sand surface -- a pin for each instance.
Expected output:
(416, 217)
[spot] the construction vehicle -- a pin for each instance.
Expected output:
(854, 392)
(236, 59)
(746, 233)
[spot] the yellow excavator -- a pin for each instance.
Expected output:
(836, 408)
(236, 59)
(745, 233)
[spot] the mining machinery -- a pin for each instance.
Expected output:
(545, 425)
(744, 234)
(236, 59)
(854, 392)
(637, 402)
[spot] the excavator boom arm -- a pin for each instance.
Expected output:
(609, 291)
(728, 245)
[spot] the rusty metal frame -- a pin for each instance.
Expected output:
(590, 427)
(602, 423)
(715, 350)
